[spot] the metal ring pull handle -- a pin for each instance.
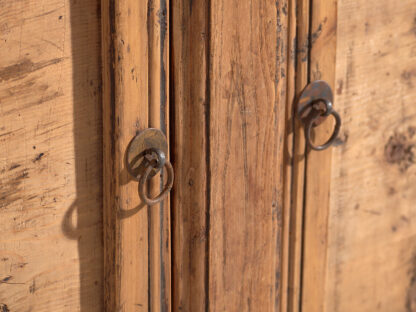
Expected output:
(145, 157)
(312, 114)
(143, 181)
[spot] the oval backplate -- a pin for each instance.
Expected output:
(138, 147)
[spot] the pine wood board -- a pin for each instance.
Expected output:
(248, 66)
(135, 97)
(371, 236)
(322, 57)
(229, 72)
(190, 78)
(296, 151)
(50, 156)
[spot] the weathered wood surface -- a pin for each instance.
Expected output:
(230, 117)
(295, 153)
(248, 52)
(135, 96)
(159, 215)
(288, 213)
(362, 255)
(50, 156)
(322, 37)
(190, 43)
(372, 225)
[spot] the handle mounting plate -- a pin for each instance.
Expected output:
(139, 146)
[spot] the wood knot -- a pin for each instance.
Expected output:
(399, 150)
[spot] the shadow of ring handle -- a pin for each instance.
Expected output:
(168, 186)
(309, 125)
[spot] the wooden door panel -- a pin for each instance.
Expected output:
(135, 97)
(258, 222)
(230, 67)
(371, 249)
(50, 156)
(247, 115)
(359, 229)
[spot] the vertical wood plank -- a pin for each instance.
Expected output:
(159, 215)
(318, 164)
(248, 55)
(298, 170)
(288, 157)
(125, 111)
(371, 262)
(50, 156)
(229, 61)
(190, 35)
(295, 153)
(136, 238)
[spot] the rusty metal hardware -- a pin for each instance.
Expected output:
(313, 107)
(145, 157)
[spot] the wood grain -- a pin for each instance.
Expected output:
(294, 204)
(229, 68)
(50, 156)
(372, 229)
(288, 161)
(125, 111)
(136, 238)
(248, 60)
(318, 164)
(159, 215)
(190, 44)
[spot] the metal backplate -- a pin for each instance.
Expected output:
(138, 148)
(313, 93)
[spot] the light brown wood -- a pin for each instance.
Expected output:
(190, 44)
(318, 164)
(372, 229)
(136, 238)
(288, 161)
(248, 59)
(296, 149)
(125, 100)
(230, 69)
(50, 156)
(159, 215)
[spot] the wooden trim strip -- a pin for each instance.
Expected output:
(135, 96)
(159, 215)
(318, 164)
(191, 193)
(295, 157)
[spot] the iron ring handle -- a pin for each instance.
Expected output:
(144, 178)
(310, 122)
(161, 157)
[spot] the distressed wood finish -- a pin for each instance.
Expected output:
(289, 160)
(159, 215)
(359, 229)
(372, 226)
(229, 60)
(50, 156)
(248, 55)
(190, 42)
(294, 203)
(318, 164)
(136, 238)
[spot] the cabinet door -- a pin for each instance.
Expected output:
(256, 221)
(229, 63)
(359, 200)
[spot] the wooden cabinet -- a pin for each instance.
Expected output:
(256, 220)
